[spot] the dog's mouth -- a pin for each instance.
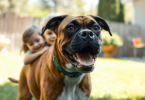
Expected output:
(83, 60)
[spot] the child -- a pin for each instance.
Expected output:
(33, 44)
(48, 35)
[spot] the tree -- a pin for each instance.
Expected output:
(13, 6)
(111, 10)
(121, 16)
(72, 7)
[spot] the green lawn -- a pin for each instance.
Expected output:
(112, 78)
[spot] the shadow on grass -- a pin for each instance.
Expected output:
(9, 91)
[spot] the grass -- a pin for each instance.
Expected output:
(112, 79)
(118, 79)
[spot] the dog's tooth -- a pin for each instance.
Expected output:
(79, 65)
(74, 56)
(92, 56)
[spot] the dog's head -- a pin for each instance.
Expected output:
(78, 40)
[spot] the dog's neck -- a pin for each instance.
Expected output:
(72, 91)
(70, 68)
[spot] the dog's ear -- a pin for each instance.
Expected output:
(53, 23)
(102, 23)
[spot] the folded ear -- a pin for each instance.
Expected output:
(53, 23)
(102, 23)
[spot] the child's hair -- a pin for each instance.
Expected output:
(26, 35)
(45, 19)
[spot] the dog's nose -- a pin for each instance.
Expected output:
(87, 34)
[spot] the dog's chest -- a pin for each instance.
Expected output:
(71, 91)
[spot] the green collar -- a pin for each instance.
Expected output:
(70, 74)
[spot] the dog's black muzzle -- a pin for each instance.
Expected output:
(84, 38)
(83, 48)
(86, 34)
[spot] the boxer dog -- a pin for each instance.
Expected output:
(62, 72)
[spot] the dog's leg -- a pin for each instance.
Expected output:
(23, 91)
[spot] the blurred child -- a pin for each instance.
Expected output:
(48, 35)
(33, 44)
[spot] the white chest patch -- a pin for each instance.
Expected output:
(71, 91)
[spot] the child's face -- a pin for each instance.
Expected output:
(49, 36)
(35, 42)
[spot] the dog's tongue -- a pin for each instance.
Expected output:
(85, 59)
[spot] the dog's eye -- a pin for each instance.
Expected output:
(96, 28)
(70, 28)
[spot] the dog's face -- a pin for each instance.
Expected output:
(79, 38)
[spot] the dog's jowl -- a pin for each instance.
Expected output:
(62, 72)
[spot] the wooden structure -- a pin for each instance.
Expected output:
(3, 42)
(12, 26)
(126, 32)
(136, 43)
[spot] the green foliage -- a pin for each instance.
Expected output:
(17, 7)
(72, 7)
(121, 16)
(111, 10)
(40, 8)
(36, 12)
(114, 40)
(13, 7)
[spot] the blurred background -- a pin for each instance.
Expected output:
(119, 69)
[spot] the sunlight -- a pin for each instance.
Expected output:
(89, 4)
